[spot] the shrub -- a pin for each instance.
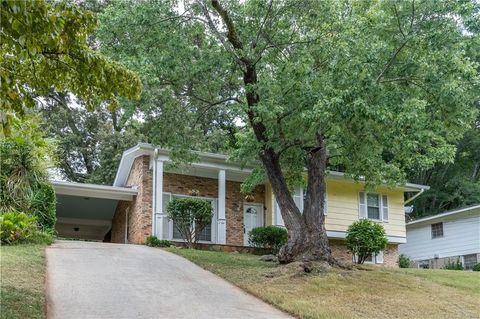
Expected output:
(404, 261)
(190, 216)
(476, 267)
(269, 237)
(17, 227)
(153, 241)
(454, 265)
(43, 206)
(364, 238)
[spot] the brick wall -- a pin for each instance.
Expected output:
(208, 187)
(340, 251)
(139, 210)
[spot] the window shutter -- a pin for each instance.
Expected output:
(379, 257)
(384, 208)
(362, 206)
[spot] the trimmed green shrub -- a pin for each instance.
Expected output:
(153, 241)
(476, 267)
(454, 265)
(269, 237)
(190, 216)
(364, 238)
(403, 261)
(17, 227)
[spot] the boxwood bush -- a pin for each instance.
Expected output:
(153, 241)
(268, 237)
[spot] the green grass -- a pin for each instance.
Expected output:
(371, 293)
(22, 281)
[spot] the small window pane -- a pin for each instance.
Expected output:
(373, 212)
(206, 233)
(176, 233)
(469, 261)
(437, 230)
(372, 200)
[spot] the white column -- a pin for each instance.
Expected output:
(221, 224)
(160, 220)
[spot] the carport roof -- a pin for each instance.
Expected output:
(95, 191)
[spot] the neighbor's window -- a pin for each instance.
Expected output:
(373, 206)
(437, 230)
(469, 261)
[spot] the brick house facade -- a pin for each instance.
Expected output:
(214, 178)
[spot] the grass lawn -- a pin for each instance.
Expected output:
(22, 281)
(372, 293)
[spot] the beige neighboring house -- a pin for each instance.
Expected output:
(435, 240)
(135, 206)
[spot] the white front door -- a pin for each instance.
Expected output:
(252, 217)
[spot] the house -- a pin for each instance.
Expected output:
(435, 240)
(135, 206)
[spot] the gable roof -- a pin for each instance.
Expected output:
(213, 159)
(445, 214)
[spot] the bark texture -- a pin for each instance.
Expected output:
(307, 236)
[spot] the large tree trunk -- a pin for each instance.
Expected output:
(307, 237)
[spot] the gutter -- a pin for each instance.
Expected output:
(414, 196)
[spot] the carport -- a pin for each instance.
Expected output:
(85, 211)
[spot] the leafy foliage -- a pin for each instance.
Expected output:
(23, 178)
(364, 238)
(44, 46)
(89, 145)
(476, 267)
(454, 265)
(190, 216)
(454, 184)
(375, 89)
(17, 227)
(268, 237)
(404, 261)
(153, 241)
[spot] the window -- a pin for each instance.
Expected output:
(206, 233)
(425, 264)
(437, 230)
(469, 261)
(373, 258)
(373, 206)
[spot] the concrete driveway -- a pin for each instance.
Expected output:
(100, 280)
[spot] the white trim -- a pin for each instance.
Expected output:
(93, 191)
(218, 161)
(221, 222)
(453, 212)
(343, 234)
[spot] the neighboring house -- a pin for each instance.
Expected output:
(147, 182)
(435, 240)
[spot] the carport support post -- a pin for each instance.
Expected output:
(160, 219)
(221, 224)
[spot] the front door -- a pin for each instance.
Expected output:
(252, 217)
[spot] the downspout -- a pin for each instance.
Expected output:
(154, 197)
(414, 196)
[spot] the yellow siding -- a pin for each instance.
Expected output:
(343, 206)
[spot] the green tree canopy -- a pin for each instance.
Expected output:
(45, 45)
(374, 88)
